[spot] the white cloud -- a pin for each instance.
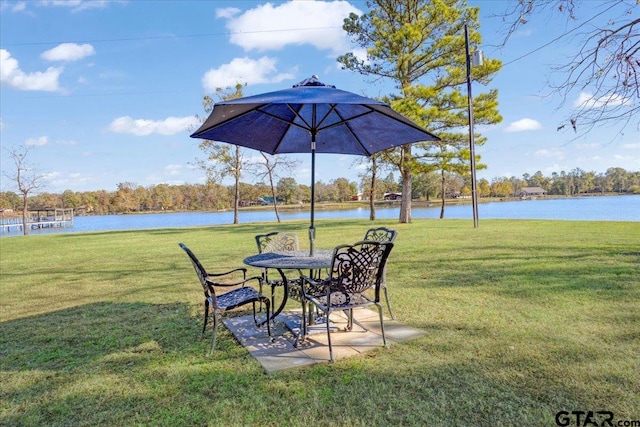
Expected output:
(13, 76)
(243, 70)
(227, 13)
(66, 3)
(628, 162)
(621, 157)
(67, 142)
(79, 5)
(587, 101)
(52, 176)
(360, 53)
(43, 140)
(19, 6)
(558, 154)
(68, 52)
(523, 125)
(173, 169)
(631, 146)
(143, 127)
(588, 145)
(526, 33)
(269, 27)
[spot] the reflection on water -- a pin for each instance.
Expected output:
(609, 208)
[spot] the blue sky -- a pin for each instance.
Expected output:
(107, 91)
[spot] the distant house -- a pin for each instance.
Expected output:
(526, 192)
(268, 200)
(359, 197)
(392, 196)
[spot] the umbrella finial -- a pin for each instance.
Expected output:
(312, 81)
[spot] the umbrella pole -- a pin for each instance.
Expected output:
(312, 229)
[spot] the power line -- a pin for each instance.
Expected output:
(128, 39)
(558, 38)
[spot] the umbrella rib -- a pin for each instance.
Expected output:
(288, 122)
(297, 114)
(332, 109)
(346, 121)
(230, 119)
(266, 113)
(348, 126)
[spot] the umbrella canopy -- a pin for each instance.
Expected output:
(310, 117)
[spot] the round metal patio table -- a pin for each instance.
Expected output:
(292, 260)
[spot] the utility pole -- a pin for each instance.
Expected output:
(476, 60)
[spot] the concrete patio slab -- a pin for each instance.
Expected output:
(281, 353)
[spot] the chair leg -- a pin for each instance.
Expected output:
(384, 340)
(268, 322)
(215, 331)
(302, 334)
(255, 319)
(349, 319)
(273, 298)
(328, 313)
(265, 279)
(386, 297)
(206, 317)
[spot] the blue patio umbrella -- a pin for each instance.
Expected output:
(311, 117)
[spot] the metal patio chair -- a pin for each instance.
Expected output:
(276, 241)
(383, 234)
(234, 298)
(356, 271)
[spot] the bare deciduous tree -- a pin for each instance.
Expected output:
(606, 66)
(26, 178)
(369, 178)
(222, 159)
(269, 169)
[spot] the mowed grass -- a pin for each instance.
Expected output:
(523, 319)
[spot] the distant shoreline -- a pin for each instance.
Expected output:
(323, 206)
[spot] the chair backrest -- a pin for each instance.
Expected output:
(381, 234)
(359, 267)
(277, 242)
(209, 291)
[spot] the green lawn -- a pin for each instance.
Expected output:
(523, 319)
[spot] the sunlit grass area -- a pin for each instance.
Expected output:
(522, 318)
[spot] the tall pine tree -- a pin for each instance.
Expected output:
(420, 46)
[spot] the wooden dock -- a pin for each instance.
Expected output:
(37, 219)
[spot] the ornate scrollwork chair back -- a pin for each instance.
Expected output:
(383, 234)
(356, 270)
(277, 242)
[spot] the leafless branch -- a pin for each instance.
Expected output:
(603, 75)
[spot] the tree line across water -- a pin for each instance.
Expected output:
(132, 198)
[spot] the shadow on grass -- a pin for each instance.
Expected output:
(82, 335)
(141, 364)
(110, 363)
(534, 272)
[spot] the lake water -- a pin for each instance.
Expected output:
(607, 208)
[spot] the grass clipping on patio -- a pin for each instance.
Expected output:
(523, 319)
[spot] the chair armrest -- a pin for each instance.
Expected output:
(235, 283)
(235, 270)
(312, 287)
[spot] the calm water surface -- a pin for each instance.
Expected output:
(609, 208)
